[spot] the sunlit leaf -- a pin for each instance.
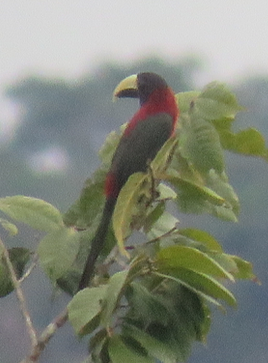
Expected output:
(184, 100)
(244, 269)
(163, 225)
(216, 101)
(201, 236)
(247, 142)
(124, 208)
(84, 306)
(35, 212)
(8, 226)
(177, 256)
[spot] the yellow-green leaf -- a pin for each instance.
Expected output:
(126, 202)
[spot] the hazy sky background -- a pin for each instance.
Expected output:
(67, 37)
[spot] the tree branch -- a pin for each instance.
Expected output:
(46, 335)
(20, 296)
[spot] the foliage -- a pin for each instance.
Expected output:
(160, 302)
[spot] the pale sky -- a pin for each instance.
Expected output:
(69, 37)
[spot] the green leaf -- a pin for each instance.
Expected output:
(19, 258)
(90, 203)
(184, 100)
(219, 183)
(194, 190)
(182, 283)
(57, 251)
(145, 305)
(107, 150)
(247, 142)
(113, 295)
(225, 261)
(216, 101)
(195, 198)
(155, 347)
(84, 307)
(165, 223)
(163, 157)
(119, 352)
(244, 269)
(35, 212)
(176, 256)
(9, 227)
(206, 284)
(200, 144)
(166, 192)
(201, 236)
(124, 208)
(98, 346)
(153, 217)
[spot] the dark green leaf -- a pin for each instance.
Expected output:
(155, 347)
(119, 352)
(19, 258)
(146, 305)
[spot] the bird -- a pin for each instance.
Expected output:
(146, 132)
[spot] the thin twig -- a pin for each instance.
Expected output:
(162, 236)
(20, 296)
(31, 267)
(45, 337)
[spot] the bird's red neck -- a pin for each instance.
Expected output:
(161, 100)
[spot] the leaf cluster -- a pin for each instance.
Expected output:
(160, 302)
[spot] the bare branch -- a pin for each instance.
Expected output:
(20, 296)
(46, 335)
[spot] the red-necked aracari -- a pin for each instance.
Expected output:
(150, 127)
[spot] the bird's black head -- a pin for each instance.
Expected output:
(147, 83)
(140, 86)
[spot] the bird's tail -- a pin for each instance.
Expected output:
(97, 243)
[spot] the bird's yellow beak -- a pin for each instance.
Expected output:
(128, 87)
